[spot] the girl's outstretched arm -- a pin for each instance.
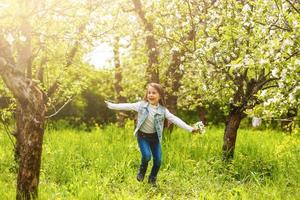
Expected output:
(179, 122)
(123, 106)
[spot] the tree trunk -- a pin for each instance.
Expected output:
(17, 132)
(118, 80)
(30, 139)
(30, 128)
(202, 114)
(287, 124)
(152, 69)
(174, 75)
(232, 125)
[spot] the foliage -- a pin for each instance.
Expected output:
(242, 41)
(232, 38)
(87, 106)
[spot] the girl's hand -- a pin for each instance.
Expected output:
(195, 130)
(199, 127)
(107, 104)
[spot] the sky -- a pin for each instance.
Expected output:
(101, 57)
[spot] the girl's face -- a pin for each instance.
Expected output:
(153, 96)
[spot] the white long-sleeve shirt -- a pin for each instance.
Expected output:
(147, 124)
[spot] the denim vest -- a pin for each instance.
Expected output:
(159, 118)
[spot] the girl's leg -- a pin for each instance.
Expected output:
(156, 152)
(144, 146)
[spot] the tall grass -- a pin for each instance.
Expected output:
(102, 164)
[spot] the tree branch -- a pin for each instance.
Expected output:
(66, 103)
(293, 6)
(271, 86)
(264, 82)
(228, 75)
(292, 55)
(70, 58)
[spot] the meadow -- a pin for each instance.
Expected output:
(102, 164)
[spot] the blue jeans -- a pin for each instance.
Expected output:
(149, 144)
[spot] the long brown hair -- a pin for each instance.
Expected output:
(160, 91)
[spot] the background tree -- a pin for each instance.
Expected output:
(242, 45)
(28, 47)
(118, 80)
(151, 43)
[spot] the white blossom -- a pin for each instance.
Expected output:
(263, 61)
(272, 32)
(184, 24)
(90, 26)
(270, 101)
(275, 72)
(247, 24)
(246, 8)
(132, 18)
(281, 85)
(181, 67)
(247, 60)
(23, 38)
(283, 73)
(291, 97)
(263, 93)
(178, 15)
(175, 48)
(288, 42)
(209, 40)
(125, 41)
(233, 55)
(236, 66)
(297, 88)
(107, 17)
(285, 6)
(277, 56)
(170, 6)
(42, 38)
(10, 38)
(218, 54)
(227, 58)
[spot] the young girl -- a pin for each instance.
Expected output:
(151, 115)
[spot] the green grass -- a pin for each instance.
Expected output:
(102, 164)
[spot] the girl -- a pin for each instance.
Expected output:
(151, 115)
